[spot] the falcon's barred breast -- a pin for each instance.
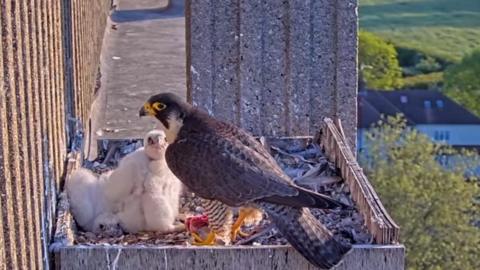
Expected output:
(219, 161)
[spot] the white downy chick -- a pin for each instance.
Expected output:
(88, 204)
(123, 190)
(162, 188)
(143, 190)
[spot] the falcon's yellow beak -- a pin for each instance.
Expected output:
(146, 110)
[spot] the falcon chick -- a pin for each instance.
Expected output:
(89, 207)
(143, 191)
(221, 162)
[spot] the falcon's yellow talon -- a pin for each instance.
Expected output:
(243, 234)
(209, 241)
(236, 227)
(196, 237)
(236, 232)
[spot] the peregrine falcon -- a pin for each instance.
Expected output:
(221, 162)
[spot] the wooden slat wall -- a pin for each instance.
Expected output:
(383, 228)
(49, 55)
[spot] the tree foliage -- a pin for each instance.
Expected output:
(462, 82)
(434, 207)
(424, 81)
(378, 63)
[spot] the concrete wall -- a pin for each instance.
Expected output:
(49, 59)
(274, 67)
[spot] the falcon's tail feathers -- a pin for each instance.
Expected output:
(307, 235)
(307, 198)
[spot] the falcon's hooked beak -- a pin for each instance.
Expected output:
(146, 110)
(171, 123)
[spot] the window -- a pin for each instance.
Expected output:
(441, 135)
(427, 104)
(439, 103)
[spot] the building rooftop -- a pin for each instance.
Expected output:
(419, 107)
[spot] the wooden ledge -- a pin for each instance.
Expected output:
(367, 257)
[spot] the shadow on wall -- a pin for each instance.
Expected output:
(174, 9)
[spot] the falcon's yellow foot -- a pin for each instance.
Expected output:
(236, 227)
(238, 231)
(209, 241)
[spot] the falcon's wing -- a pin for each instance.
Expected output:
(225, 169)
(252, 143)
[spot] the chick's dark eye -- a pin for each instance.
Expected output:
(102, 227)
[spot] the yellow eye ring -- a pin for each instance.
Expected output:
(158, 106)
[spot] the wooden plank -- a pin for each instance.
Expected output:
(64, 225)
(365, 257)
(379, 222)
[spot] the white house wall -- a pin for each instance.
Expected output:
(457, 134)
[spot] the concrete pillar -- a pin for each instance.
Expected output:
(275, 67)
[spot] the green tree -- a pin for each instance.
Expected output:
(462, 82)
(379, 67)
(434, 207)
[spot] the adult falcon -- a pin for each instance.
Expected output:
(221, 162)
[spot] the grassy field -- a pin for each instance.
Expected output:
(441, 28)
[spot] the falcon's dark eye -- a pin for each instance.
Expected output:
(102, 227)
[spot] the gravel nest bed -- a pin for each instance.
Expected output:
(304, 162)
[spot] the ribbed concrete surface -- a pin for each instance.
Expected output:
(274, 67)
(42, 43)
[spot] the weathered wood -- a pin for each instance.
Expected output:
(378, 221)
(213, 258)
(64, 233)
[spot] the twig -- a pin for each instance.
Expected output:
(292, 155)
(252, 237)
